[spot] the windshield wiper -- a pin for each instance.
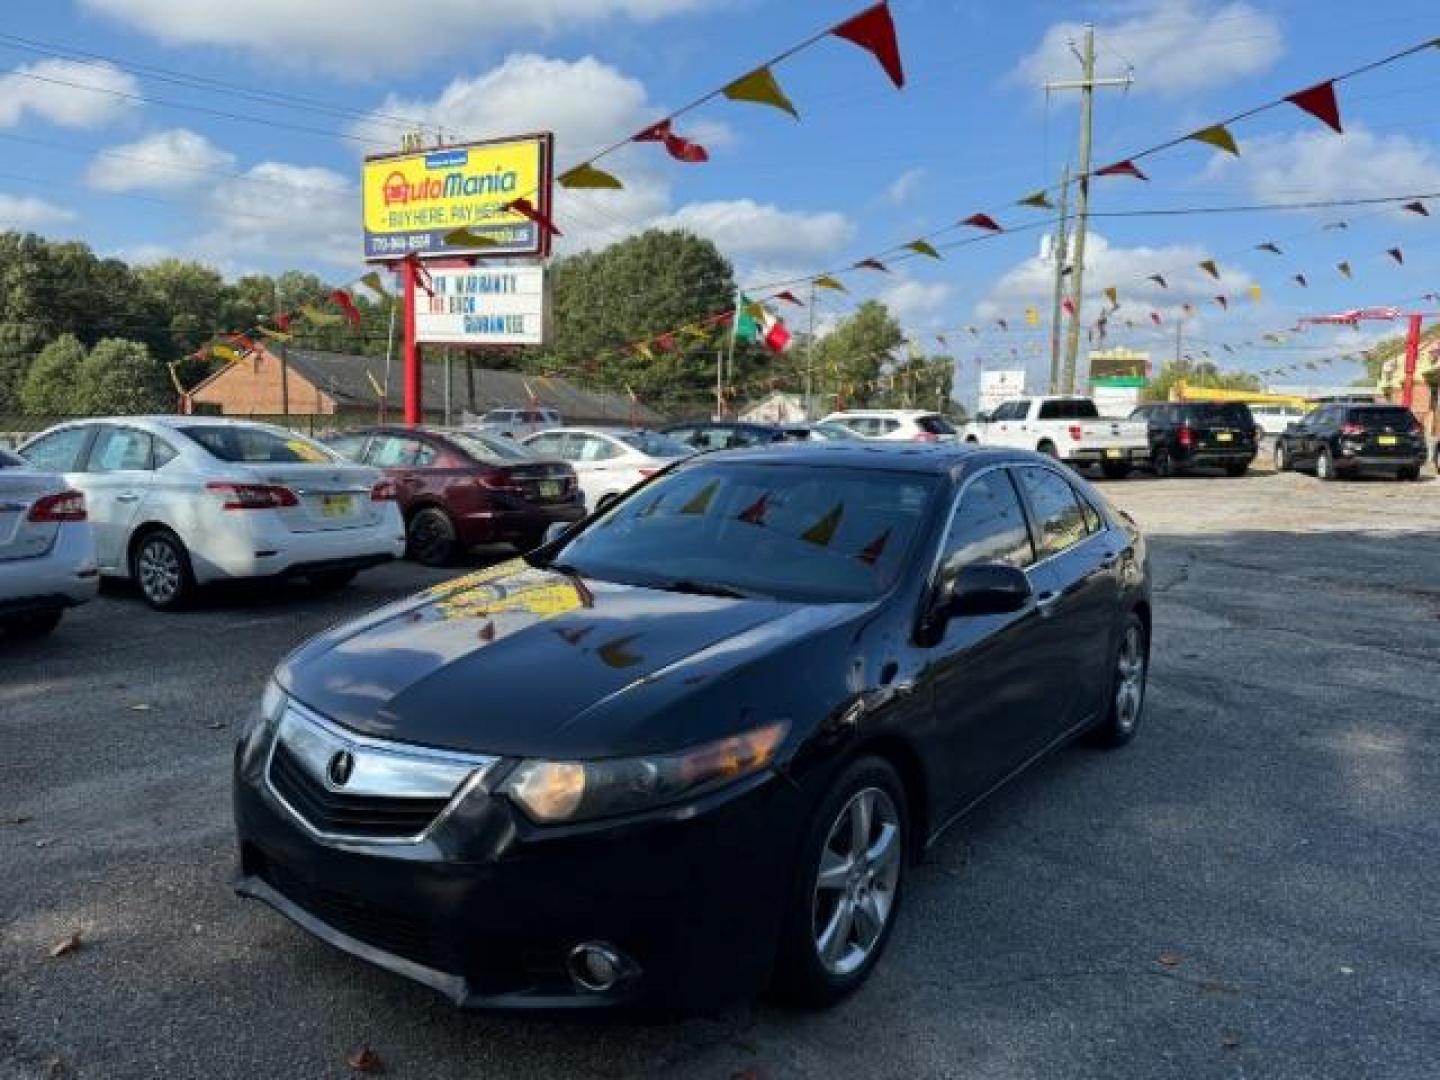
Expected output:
(699, 588)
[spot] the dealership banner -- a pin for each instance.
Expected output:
(414, 201)
(484, 305)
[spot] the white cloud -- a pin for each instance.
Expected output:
(905, 187)
(913, 302)
(745, 228)
(357, 39)
(1176, 47)
(67, 93)
(1316, 165)
(25, 212)
(165, 161)
(285, 213)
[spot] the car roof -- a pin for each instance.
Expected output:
(932, 458)
(882, 412)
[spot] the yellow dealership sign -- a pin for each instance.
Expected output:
(412, 201)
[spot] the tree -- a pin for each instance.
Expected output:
(120, 377)
(1201, 373)
(850, 357)
(49, 388)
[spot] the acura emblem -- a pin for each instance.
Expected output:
(340, 768)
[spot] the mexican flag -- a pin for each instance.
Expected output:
(753, 322)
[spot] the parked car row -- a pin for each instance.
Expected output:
(47, 548)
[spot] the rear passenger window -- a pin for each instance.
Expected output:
(1058, 514)
(988, 526)
(120, 450)
(58, 451)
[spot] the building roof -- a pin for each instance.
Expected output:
(344, 378)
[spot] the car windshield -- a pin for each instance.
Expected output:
(1382, 419)
(257, 445)
(789, 532)
(935, 425)
(654, 444)
(833, 430)
(1230, 415)
(488, 448)
(1069, 409)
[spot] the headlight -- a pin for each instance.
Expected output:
(564, 791)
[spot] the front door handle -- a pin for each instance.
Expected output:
(1110, 559)
(127, 497)
(1045, 602)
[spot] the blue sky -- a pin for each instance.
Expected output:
(157, 166)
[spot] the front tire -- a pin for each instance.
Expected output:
(430, 538)
(847, 890)
(1324, 464)
(1237, 470)
(1129, 673)
(1048, 449)
(160, 566)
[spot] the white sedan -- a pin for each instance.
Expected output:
(47, 549)
(608, 461)
(182, 501)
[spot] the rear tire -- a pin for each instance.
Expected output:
(1163, 463)
(328, 581)
(1324, 465)
(33, 624)
(430, 538)
(160, 566)
(1410, 473)
(1129, 671)
(836, 929)
(1237, 470)
(1114, 470)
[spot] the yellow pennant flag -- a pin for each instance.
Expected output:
(274, 335)
(760, 88)
(1039, 200)
(825, 281)
(1113, 295)
(1218, 136)
(823, 531)
(588, 176)
(923, 247)
(642, 349)
(316, 317)
(372, 282)
(468, 238)
(1032, 317)
(224, 352)
(700, 502)
(1255, 293)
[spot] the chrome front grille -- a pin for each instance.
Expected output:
(345, 786)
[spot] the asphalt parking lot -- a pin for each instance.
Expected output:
(1251, 889)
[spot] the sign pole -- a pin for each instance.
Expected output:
(1412, 361)
(414, 403)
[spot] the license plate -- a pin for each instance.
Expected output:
(1224, 436)
(335, 505)
(1113, 452)
(1387, 440)
(551, 489)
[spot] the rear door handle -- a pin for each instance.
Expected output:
(1110, 559)
(127, 497)
(1046, 601)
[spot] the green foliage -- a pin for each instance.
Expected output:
(19, 344)
(849, 359)
(50, 385)
(120, 377)
(1198, 374)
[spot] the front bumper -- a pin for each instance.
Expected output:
(486, 907)
(64, 576)
(501, 524)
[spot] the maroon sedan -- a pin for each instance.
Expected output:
(459, 489)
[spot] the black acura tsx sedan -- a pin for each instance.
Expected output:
(692, 746)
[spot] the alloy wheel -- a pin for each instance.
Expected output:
(1129, 680)
(158, 567)
(855, 886)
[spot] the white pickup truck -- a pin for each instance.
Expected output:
(1068, 428)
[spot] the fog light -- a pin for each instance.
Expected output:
(597, 967)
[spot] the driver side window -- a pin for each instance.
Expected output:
(988, 526)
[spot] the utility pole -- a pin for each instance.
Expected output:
(284, 361)
(810, 360)
(1062, 253)
(1086, 85)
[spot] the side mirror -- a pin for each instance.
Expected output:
(986, 589)
(554, 532)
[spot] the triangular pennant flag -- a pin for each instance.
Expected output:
(1255, 293)
(588, 176)
(224, 352)
(678, 147)
(1274, 249)
(1218, 136)
(983, 221)
(1335, 225)
(761, 88)
(941, 339)
(1155, 317)
(923, 247)
(1300, 280)
(526, 209)
(1068, 306)
(468, 238)
(1417, 208)
(754, 514)
(274, 335)
(872, 264)
(1189, 309)
(1208, 265)
(1223, 301)
(1032, 317)
(1396, 254)
(1319, 101)
(372, 282)
(1122, 168)
(871, 552)
(642, 349)
(789, 298)
(1040, 200)
(1003, 324)
(823, 531)
(347, 306)
(825, 281)
(874, 31)
(665, 343)
(1159, 280)
(1344, 268)
(1113, 295)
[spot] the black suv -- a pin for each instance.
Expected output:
(1190, 433)
(1344, 439)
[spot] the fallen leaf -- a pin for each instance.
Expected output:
(140, 706)
(1230, 1041)
(365, 1060)
(66, 945)
(216, 726)
(1169, 959)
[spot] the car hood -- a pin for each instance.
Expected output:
(521, 661)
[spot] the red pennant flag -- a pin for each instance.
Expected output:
(1300, 280)
(1122, 168)
(346, 305)
(680, 148)
(874, 31)
(872, 264)
(983, 221)
(1397, 255)
(1319, 101)
(665, 342)
(873, 550)
(790, 298)
(754, 514)
(1155, 317)
(1417, 208)
(526, 209)
(1223, 302)
(1068, 306)
(244, 344)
